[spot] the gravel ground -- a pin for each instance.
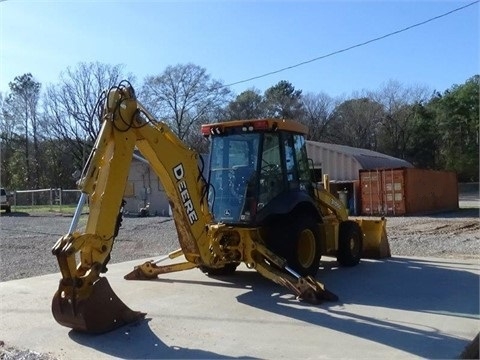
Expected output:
(26, 241)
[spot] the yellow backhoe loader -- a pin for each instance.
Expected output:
(256, 204)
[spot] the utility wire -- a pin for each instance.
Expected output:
(352, 47)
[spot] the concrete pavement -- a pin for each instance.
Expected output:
(403, 307)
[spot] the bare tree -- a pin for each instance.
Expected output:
(9, 128)
(317, 111)
(10, 125)
(21, 108)
(184, 96)
(70, 105)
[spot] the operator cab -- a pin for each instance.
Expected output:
(254, 163)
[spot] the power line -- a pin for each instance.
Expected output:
(353, 46)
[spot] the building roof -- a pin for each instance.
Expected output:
(368, 159)
(343, 163)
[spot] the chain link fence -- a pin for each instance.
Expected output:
(52, 199)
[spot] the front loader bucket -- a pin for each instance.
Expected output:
(375, 241)
(100, 312)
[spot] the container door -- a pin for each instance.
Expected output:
(394, 191)
(371, 192)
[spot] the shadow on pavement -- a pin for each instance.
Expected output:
(423, 286)
(137, 341)
(396, 283)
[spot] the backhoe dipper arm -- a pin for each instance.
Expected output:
(126, 124)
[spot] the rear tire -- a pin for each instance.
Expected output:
(350, 240)
(299, 243)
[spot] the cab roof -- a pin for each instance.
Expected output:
(266, 125)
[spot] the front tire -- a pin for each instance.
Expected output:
(350, 242)
(299, 243)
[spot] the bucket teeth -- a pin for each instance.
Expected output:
(100, 312)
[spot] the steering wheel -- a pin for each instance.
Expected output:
(269, 168)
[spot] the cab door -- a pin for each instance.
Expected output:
(296, 163)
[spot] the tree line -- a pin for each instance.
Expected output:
(47, 132)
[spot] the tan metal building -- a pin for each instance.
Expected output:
(343, 163)
(144, 190)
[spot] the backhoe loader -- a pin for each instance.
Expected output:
(257, 205)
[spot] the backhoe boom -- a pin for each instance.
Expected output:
(84, 300)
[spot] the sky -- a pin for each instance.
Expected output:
(237, 40)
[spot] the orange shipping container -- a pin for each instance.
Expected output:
(407, 191)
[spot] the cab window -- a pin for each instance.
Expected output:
(271, 180)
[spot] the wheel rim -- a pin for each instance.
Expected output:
(354, 248)
(306, 248)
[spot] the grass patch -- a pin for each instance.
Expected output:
(63, 209)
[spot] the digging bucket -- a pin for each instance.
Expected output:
(375, 241)
(100, 312)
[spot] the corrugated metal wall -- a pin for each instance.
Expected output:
(143, 186)
(337, 165)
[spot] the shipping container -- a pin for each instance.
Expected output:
(406, 191)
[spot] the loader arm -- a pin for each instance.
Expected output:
(375, 243)
(84, 300)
